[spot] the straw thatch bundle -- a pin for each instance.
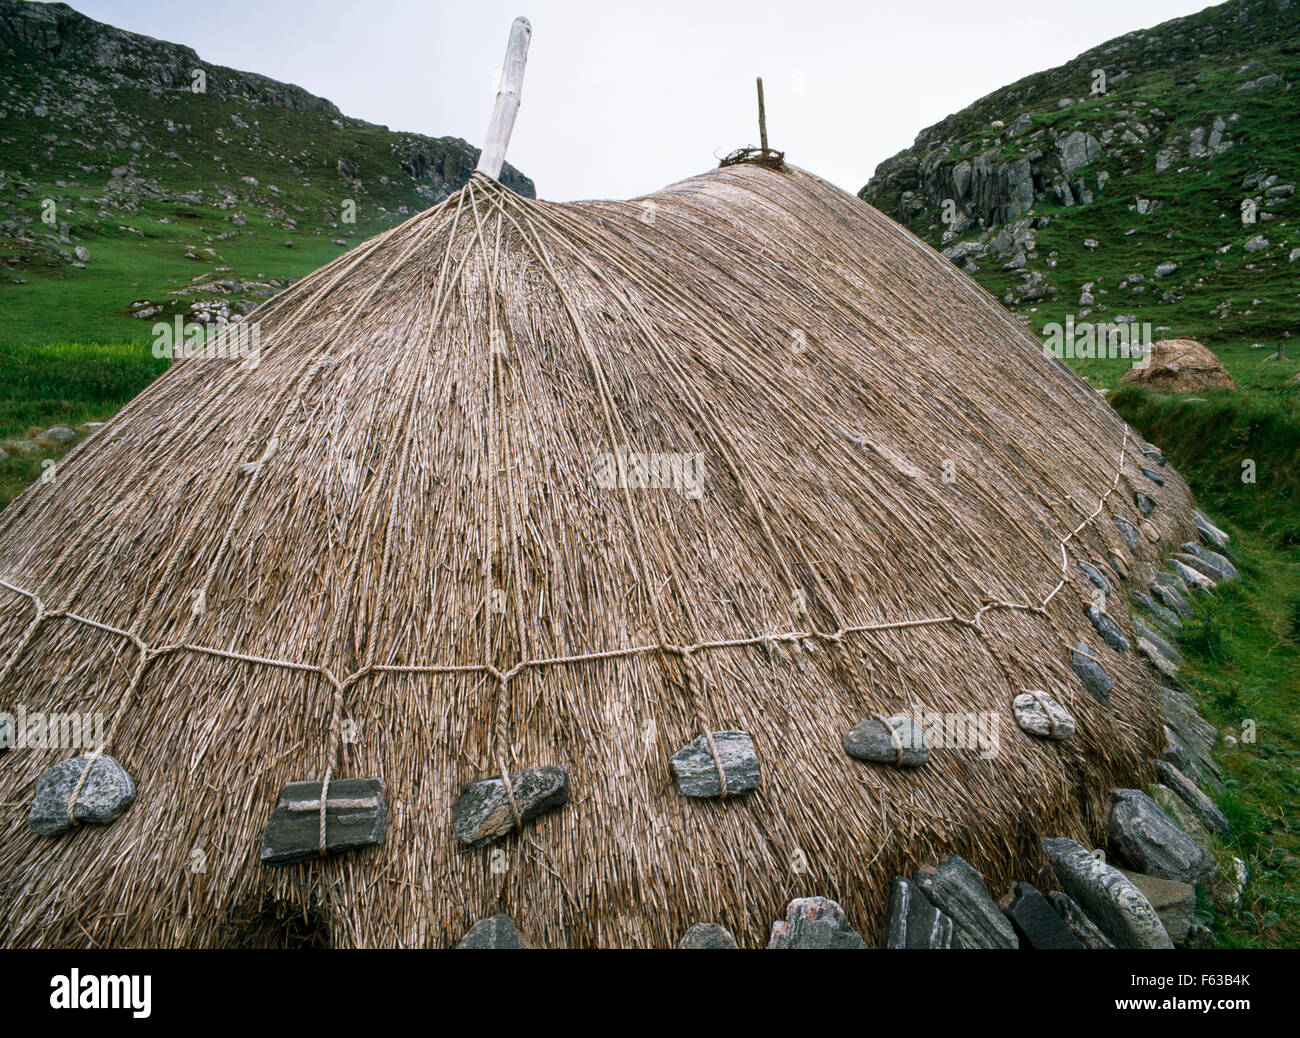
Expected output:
(469, 367)
(1181, 366)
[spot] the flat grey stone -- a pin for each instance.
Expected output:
(1127, 532)
(1205, 809)
(1084, 929)
(815, 922)
(1144, 504)
(1154, 476)
(1174, 902)
(106, 793)
(1108, 629)
(1036, 923)
(482, 813)
(697, 773)
(58, 434)
(1210, 533)
(498, 931)
(1194, 579)
(708, 936)
(1146, 839)
(1171, 597)
(872, 740)
(1094, 577)
(1042, 715)
(1153, 454)
(911, 921)
(355, 816)
(1108, 896)
(1156, 658)
(957, 890)
(1212, 564)
(1187, 759)
(1164, 616)
(1155, 638)
(1176, 808)
(1090, 672)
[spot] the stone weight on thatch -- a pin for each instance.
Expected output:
(1205, 809)
(816, 923)
(1170, 596)
(1154, 476)
(913, 922)
(697, 771)
(1214, 565)
(1040, 714)
(1090, 672)
(495, 932)
(1147, 839)
(707, 936)
(1108, 629)
(1194, 579)
(483, 813)
(106, 792)
(355, 816)
(1127, 532)
(1111, 900)
(1144, 504)
(1210, 533)
(1094, 577)
(1180, 366)
(901, 742)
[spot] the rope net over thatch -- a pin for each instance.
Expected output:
(386, 550)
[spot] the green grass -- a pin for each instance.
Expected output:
(1242, 648)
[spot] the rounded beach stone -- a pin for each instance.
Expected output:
(106, 793)
(873, 740)
(1040, 714)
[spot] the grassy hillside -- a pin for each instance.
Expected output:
(165, 201)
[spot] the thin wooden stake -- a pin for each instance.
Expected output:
(507, 104)
(762, 116)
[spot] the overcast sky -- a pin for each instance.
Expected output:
(623, 98)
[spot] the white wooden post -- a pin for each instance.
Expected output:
(507, 106)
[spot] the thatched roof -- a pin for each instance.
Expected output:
(1181, 366)
(828, 366)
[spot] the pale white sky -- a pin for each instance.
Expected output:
(622, 98)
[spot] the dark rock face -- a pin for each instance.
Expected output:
(872, 740)
(913, 922)
(1108, 629)
(1090, 672)
(1148, 840)
(957, 890)
(708, 936)
(107, 792)
(355, 816)
(1084, 929)
(1120, 910)
(496, 931)
(697, 772)
(1144, 504)
(482, 814)
(1094, 577)
(1127, 532)
(1036, 923)
(815, 922)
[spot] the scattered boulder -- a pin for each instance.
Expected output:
(1180, 366)
(901, 742)
(482, 812)
(57, 434)
(1148, 840)
(1109, 897)
(957, 890)
(697, 772)
(815, 922)
(911, 921)
(107, 792)
(498, 931)
(1037, 925)
(707, 936)
(1040, 714)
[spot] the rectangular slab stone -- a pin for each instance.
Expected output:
(697, 773)
(956, 889)
(355, 815)
(1108, 896)
(1037, 923)
(912, 922)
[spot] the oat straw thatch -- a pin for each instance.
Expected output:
(258, 573)
(1181, 366)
